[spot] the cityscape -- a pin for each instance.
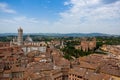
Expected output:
(59, 40)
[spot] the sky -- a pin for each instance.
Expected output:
(60, 16)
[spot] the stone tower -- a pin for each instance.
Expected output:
(20, 36)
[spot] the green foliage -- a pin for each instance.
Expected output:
(69, 50)
(109, 40)
(67, 56)
(6, 39)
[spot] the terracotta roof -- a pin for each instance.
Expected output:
(110, 67)
(17, 69)
(7, 71)
(78, 71)
(36, 66)
(91, 75)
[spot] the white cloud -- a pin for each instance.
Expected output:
(24, 19)
(90, 16)
(66, 3)
(28, 24)
(82, 16)
(5, 8)
(20, 19)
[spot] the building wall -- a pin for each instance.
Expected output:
(4, 44)
(86, 45)
(74, 77)
(28, 49)
(56, 75)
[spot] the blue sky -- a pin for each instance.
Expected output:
(60, 16)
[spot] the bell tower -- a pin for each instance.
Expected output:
(20, 36)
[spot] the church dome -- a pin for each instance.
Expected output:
(28, 39)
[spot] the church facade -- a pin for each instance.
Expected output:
(28, 45)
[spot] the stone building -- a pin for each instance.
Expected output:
(4, 44)
(20, 36)
(86, 45)
(27, 45)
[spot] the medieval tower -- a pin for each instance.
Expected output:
(20, 36)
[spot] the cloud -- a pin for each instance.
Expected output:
(66, 3)
(109, 1)
(5, 8)
(90, 16)
(91, 8)
(27, 23)
(19, 19)
(82, 16)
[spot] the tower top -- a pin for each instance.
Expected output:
(20, 29)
